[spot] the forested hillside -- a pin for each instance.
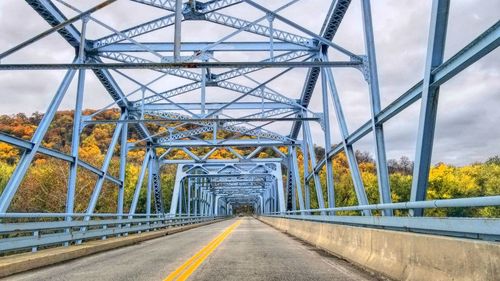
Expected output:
(44, 187)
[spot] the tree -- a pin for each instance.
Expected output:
(495, 160)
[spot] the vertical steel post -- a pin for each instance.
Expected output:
(290, 184)
(177, 30)
(189, 197)
(348, 149)
(150, 183)
(296, 176)
(202, 198)
(196, 201)
(181, 195)
(203, 90)
(328, 145)
(429, 102)
(270, 19)
(305, 159)
(378, 130)
(176, 192)
(138, 186)
(216, 205)
(261, 206)
(210, 204)
(281, 193)
(143, 95)
(312, 153)
(274, 204)
(123, 164)
(107, 159)
(280, 201)
(77, 122)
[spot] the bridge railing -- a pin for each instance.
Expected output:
(23, 232)
(478, 228)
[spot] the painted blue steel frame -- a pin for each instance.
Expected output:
(208, 187)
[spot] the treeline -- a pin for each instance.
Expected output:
(44, 187)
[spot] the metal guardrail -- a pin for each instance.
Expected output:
(21, 232)
(477, 228)
(440, 203)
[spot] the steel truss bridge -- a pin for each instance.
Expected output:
(250, 110)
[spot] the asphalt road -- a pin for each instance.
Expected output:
(253, 251)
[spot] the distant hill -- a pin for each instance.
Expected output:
(44, 187)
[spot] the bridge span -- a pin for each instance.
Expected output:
(251, 105)
(238, 249)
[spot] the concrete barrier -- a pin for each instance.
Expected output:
(27, 261)
(400, 255)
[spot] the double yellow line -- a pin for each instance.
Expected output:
(186, 269)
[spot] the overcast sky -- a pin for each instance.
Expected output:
(467, 128)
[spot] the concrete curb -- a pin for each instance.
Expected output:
(399, 255)
(27, 261)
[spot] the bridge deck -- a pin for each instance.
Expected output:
(252, 251)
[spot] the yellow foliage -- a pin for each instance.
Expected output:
(8, 153)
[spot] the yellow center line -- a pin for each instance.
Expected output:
(187, 268)
(180, 269)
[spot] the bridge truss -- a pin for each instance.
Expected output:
(210, 187)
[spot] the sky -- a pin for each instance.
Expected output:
(467, 124)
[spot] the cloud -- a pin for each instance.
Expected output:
(465, 130)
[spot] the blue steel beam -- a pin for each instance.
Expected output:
(138, 186)
(55, 28)
(296, 178)
(111, 86)
(220, 143)
(123, 165)
(154, 25)
(162, 22)
(178, 65)
(332, 23)
(429, 103)
(27, 145)
(314, 173)
(233, 22)
(54, 16)
(305, 161)
(177, 30)
(28, 155)
(304, 30)
(50, 13)
(197, 46)
(77, 122)
(372, 75)
(201, 7)
(159, 107)
(437, 203)
(162, 4)
(330, 185)
(107, 160)
(259, 29)
(348, 149)
(474, 51)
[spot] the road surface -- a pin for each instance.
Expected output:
(237, 249)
